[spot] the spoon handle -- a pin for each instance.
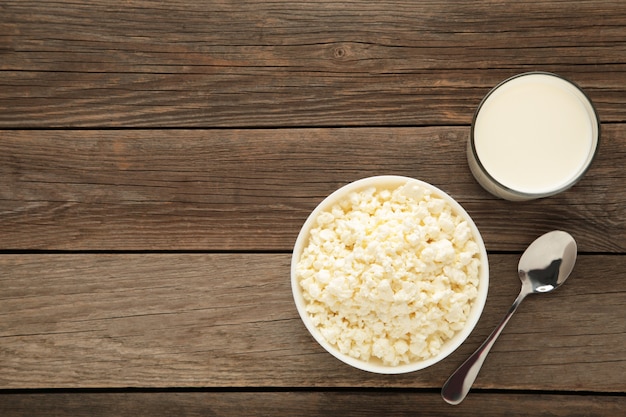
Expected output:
(458, 385)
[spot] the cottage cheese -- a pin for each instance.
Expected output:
(389, 274)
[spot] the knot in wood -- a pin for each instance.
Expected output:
(339, 52)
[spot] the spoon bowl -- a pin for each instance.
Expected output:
(543, 267)
(547, 262)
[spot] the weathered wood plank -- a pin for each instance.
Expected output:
(228, 320)
(229, 189)
(327, 404)
(268, 63)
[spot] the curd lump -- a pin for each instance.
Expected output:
(390, 274)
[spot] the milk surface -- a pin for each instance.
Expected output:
(535, 133)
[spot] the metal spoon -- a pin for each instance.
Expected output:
(543, 267)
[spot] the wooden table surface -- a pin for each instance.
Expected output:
(157, 160)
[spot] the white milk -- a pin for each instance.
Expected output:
(535, 135)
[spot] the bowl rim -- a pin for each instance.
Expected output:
(450, 345)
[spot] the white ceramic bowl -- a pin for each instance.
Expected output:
(389, 182)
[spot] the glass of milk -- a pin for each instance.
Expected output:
(533, 135)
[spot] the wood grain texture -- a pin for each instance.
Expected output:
(228, 320)
(157, 160)
(283, 63)
(253, 189)
(327, 404)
